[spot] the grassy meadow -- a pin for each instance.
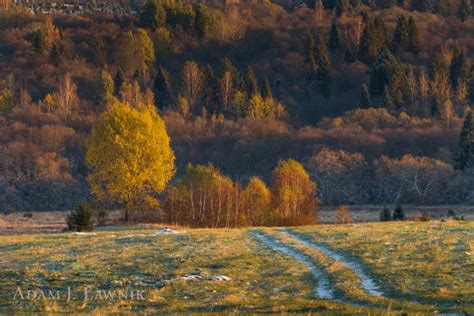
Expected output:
(420, 268)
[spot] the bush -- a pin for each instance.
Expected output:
(398, 214)
(385, 215)
(81, 218)
(342, 215)
(424, 216)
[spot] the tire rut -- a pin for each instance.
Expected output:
(323, 289)
(369, 284)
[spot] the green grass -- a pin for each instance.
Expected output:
(423, 262)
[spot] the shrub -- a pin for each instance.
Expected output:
(398, 214)
(385, 215)
(81, 218)
(424, 216)
(342, 215)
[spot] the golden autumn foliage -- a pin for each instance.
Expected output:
(129, 154)
(294, 194)
(203, 197)
(256, 203)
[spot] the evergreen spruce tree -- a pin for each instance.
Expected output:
(153, 14)
(163, 88)
(119, 80)
(309, 45)
(210, 89)
(364, 102)
(413, 40)
(385, 215)
(401, 34)
(398, 213)
(460, 68)
(267, 89)
(323, 63)
(465, 157)
(250, 84)
(334, 42)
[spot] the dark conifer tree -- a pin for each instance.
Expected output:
(119, 80)
(374, 39)
(267, 89)
(465, 157)
(309, 46)
(163, 88)
(210, 89)
(413, 40)
(460, 69)
(334, 42)
(401, 34)
(364, 102)
(398, 213)
(250, 84)
(323, 64)
(153, 14)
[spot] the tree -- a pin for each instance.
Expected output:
(373, 40)
(163, 89)
(129, 155)
(267, 89)
(256, 203)
(401, 37)
(153, 14)
(364, 102)
(260, 108)
(249, 83)
(323, 70)
(192, 84)
(119, 80)
(341, 176)
(465, 157)
(226, 90)
(46, 37)
(203, 197)
(81, 218)
(106, 89)
(135, 52)
(446, 112)
(334, 41)
(203, 22)
(413, 37)
(294, 194)
(460, 68)
(343, 215)
(398, 213)
(385, 215)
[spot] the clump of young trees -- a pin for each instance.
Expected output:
(203, 197)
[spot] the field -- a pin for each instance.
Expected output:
(326, 269)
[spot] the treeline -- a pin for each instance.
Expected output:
(241, 86)
(203, 197)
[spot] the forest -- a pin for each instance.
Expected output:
(368, 101)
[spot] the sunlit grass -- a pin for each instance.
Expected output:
(430, 263)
